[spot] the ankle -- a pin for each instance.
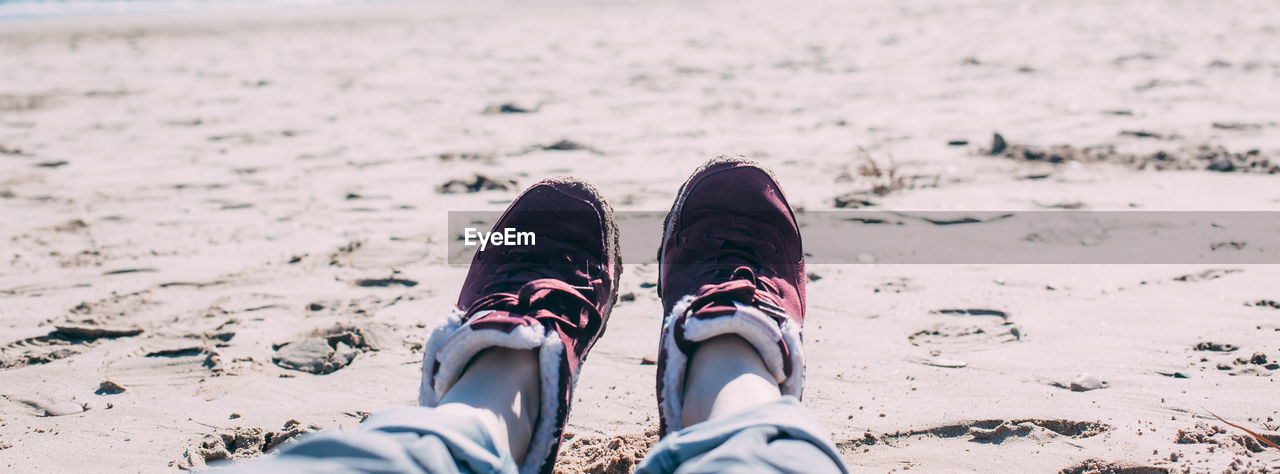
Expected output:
(500, 388)
(725, 375)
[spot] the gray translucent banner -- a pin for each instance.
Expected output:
(1021, 237)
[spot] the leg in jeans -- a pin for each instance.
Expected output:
(468, 433)
(500, 388)
(497, 375)
(725, 376)
(731, 362)
(738, 421)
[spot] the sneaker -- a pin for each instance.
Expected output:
(730, 263)
(553, 296)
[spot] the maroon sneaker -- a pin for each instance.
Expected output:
(553, 296)
(730, 263)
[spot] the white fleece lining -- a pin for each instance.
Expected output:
(455, 345)
(793, 385)
(427, 394)
(672, 400)
(544, 434)
(750, 324)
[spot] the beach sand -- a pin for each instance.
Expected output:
(183, 195)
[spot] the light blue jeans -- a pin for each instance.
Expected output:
(780, 436)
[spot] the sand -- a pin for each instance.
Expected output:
(226, 230)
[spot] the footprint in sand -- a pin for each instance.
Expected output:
(239, 443)
(1229, 358)
(995, 431)
(1093, 465)
(89, 323)
(964, 329)
(168, 363)
(328, 350)
(1188, 453)
(64, 341)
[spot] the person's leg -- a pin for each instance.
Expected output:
(403, 440)
(731, 361)
(725, 376)
(777, 436)
(500, 388)
(498, 372)
(525, 319)
(737, 419)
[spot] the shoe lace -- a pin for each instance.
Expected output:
(549, 259)
(548, 300)
(533, 283)
(732, 272)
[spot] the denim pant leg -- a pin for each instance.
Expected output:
(780, 436)
(401, 440)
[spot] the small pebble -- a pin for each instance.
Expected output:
(109, 387)
(1086, 382)
(64, 408)
(946, 363)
